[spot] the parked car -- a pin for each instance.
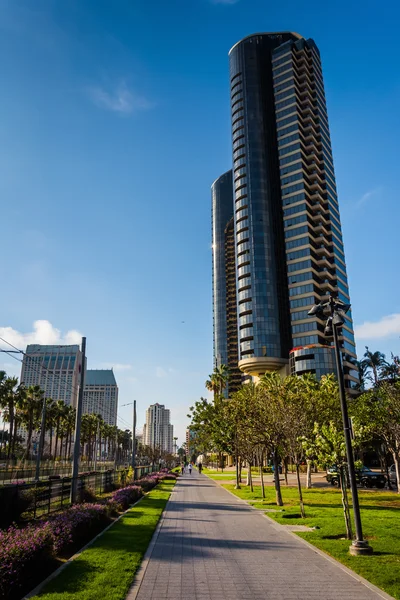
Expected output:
(332, 475)
(369, 479)
(392, 475)
(364, 477)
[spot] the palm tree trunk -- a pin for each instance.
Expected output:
(11, 417)
(51, 442)
(56, 441)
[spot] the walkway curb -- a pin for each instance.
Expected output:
(140, 573)
(318, 551)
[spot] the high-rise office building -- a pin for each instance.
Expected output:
(288, 242)
(100, 394)
(157, 431)
(56, 369)
(224, 280)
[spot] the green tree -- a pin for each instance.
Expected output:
(374, 361)
(377, 412)
(330, 448)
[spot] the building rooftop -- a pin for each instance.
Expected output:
(267, 33)
(32, 348)
(100, 377)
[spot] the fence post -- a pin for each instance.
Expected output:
(49, 500)
(35, 501)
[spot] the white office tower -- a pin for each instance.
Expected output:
(100, 395)
(56, 369)
(157, 431)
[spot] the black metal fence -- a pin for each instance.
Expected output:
(26, 501)
(13, 471)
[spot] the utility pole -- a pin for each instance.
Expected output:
(77, 438)
(134, 439)
(41, 440)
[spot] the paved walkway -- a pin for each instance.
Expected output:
(211, 546)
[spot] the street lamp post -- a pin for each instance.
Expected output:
(337, 309)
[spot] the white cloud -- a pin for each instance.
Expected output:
(365, 197)
(386, 327)
(120, 100)
(164, 372)
(43, 333)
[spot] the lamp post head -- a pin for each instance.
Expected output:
(316, 310)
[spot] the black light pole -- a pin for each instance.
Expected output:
(78, 421)
(337, 310)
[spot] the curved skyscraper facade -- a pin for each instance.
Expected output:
(288, 243)
(221, 214)
(224, 280)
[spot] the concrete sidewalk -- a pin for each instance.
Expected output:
(212, 546)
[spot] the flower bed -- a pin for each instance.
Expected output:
(27, 552)
(23, 552)
(76, 525)
(127, 496)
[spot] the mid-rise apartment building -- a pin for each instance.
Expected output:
(158, 431)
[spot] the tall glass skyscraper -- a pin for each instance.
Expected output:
(288, 241)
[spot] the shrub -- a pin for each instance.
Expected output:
(167, 477)
(126, 496)
(76, 525)
(88, 495)
(147, 483)
(22, 553)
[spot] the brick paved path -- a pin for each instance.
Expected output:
(211, 546)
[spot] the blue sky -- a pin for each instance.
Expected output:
(114, 123)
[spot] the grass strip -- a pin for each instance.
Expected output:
(107, 568)
(380, 518)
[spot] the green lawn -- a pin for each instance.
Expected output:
(381, 525)
(107, 568)
(219, 475)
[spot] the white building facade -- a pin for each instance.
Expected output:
(56, 369)
(158, 431)
(100, 394)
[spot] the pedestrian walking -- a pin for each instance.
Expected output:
(182, 468)
(190, 468)
(200, 467)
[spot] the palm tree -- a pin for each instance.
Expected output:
(59, 412)
(218, 380)
(19, 410)
(50, 422)
(69, 420)
(374, 361)
(363, 368)
(31, 413)
(391, 370)
(8, 398)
